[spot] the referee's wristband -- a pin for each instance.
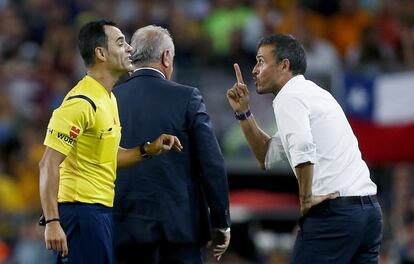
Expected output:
(243, 116)
(52, 220)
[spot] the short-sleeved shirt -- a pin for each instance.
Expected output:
(86, 129)
(313, 128)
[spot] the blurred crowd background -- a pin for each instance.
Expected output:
(39, 64)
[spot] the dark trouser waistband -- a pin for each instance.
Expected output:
(343, 201)
(346, 200)
(84, 206)
(350, 200)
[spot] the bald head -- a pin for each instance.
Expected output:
(149, 43)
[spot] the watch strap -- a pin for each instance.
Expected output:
(144, 154)
(243, 116)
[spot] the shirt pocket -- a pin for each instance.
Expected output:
(108, 143)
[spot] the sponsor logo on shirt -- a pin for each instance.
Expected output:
(65, 138)
(74, 132)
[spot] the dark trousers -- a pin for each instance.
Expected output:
(162, 253)
(344, 230)
(88, 229)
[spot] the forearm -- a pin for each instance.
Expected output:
(48, 187)
(164, 143)
(304, 172)
(49, 182)
(128, 157)
(257, 139)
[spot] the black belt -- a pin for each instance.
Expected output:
(350, 200)
(343, 201)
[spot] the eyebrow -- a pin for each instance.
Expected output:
(120, 38)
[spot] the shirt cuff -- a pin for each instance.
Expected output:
(303, 157)
(275, 154)
(224, 230)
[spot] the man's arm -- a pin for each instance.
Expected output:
(127, 157)
(163, 143)
(55, 237)
(257, 139)
(213, 176)
(304, 172)
(238, 97)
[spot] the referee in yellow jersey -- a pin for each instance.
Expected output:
(78, 168)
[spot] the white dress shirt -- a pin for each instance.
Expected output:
(311, 127)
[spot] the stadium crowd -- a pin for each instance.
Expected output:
(39, 63)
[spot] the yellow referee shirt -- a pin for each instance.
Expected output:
(86, 129)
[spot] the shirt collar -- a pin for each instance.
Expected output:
(289, 83)
(89, 79)
(150, 68)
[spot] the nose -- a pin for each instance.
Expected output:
(254, 71)
(128, 48)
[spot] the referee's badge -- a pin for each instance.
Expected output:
(74, 132)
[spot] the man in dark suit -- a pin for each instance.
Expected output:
(166, 210)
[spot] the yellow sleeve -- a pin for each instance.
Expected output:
(68, 123)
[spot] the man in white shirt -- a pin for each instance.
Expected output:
(341, 219)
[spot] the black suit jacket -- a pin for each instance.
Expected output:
(174, 196)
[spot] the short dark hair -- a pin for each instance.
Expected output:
(287, 47)
(92, 35)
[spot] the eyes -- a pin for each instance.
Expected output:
(120, 41)
(260, 61)
(122, 44)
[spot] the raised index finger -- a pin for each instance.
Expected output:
(238, 73)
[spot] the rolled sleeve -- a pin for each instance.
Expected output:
(293, 121)
(275, 154)
(303, 153)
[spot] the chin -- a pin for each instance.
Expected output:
(129, 68)
(259, 91)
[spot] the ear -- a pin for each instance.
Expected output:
(285, 65)
(100, 54)
(166, 58)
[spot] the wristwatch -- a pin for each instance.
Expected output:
(144, 154)
(242, 116)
